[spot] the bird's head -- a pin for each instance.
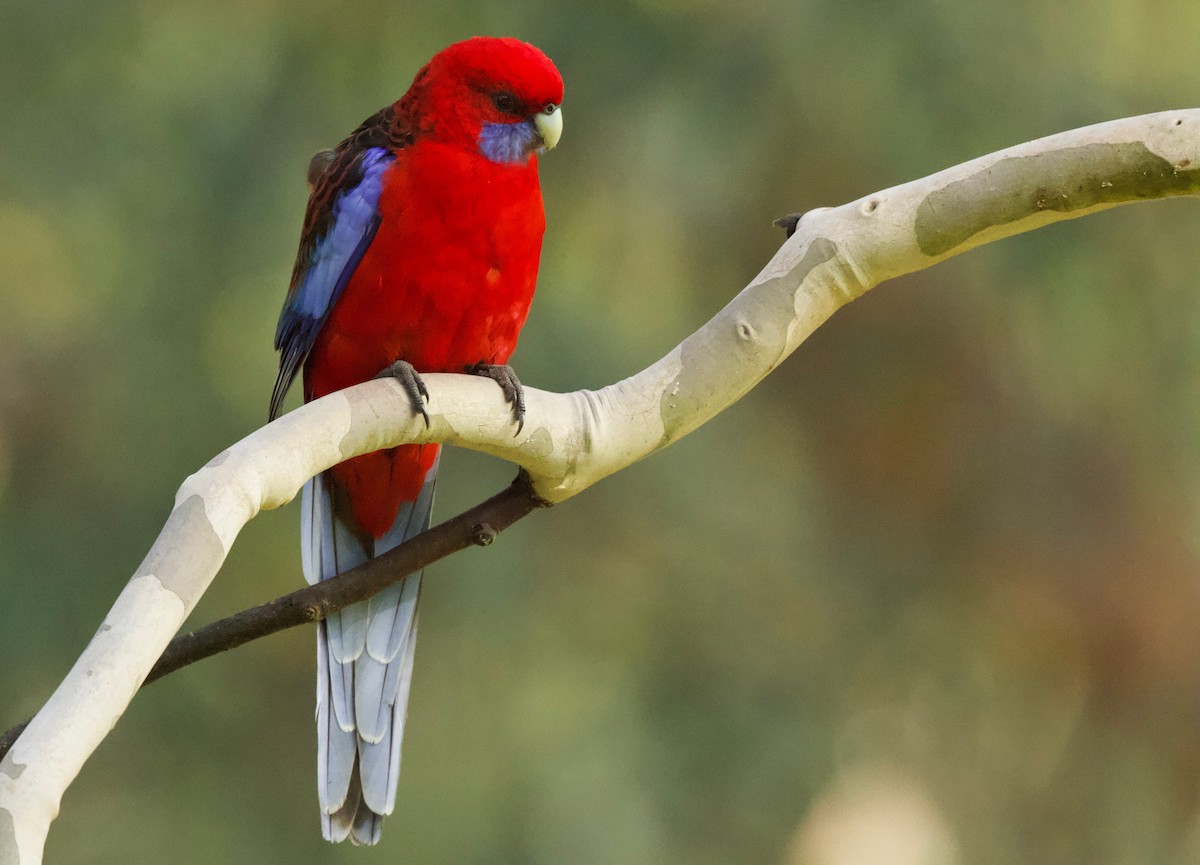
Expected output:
(500, 96)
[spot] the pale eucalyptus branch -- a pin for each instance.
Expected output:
(476, 526)
(570, 441)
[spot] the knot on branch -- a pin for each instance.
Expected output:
(482, 534)
(788, 223)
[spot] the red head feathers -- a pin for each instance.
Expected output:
(485, 81)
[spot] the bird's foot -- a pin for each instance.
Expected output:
(403, 372)
(503, 375)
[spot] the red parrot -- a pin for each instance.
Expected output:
(419, 254)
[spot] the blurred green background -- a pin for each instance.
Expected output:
(930, 594)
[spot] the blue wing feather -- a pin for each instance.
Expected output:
(340, 226)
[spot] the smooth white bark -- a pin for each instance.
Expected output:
(570, 441)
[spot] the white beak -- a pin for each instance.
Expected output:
(549, 126)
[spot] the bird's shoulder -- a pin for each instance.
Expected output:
(332, 173)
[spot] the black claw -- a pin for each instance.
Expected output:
(403, 372)
(514, 394)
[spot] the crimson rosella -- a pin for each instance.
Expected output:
(419, 254)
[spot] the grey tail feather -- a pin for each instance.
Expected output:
(354, 820)
(364, 665)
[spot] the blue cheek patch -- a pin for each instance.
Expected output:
(507, 142)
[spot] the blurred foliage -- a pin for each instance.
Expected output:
(937, 579)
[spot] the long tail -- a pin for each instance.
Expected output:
(364, 664)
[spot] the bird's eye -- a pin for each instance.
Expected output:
(550, 108)
(506, 102)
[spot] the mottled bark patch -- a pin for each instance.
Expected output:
(1021, 186)
(540, 443)
(755, 337)
(188, 544)
(11, 768)
(8, 838)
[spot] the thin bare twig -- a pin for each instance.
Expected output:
(477, 526)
